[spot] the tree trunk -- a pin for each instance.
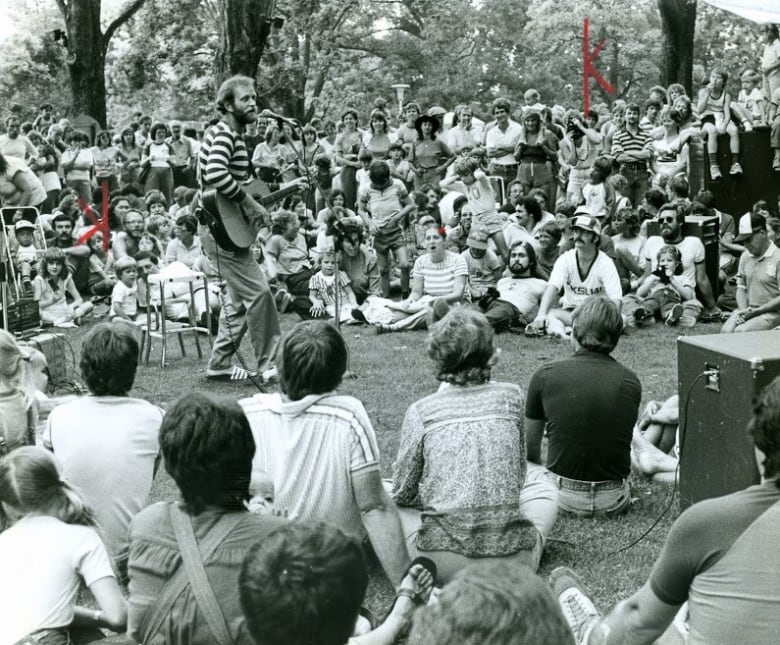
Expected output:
(86, 59)
(87, 47)
(678, 23)
(244, 29)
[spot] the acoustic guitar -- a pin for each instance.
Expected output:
(232, 227)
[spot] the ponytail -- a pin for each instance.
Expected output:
(30, 482)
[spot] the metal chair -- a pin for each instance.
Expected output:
(498, 188)
(158, 326)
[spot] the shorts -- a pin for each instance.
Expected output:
(490, 222)
(389, 240)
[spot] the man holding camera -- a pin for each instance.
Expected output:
(671, 218)
(579, 150)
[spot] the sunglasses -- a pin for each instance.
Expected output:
(663, 220)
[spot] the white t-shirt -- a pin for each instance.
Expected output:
(495, 138)
(602, 279)
(107, 446)
(481, 197)
(126, 297)
(524, 293)
(43, 561)
(691, 249)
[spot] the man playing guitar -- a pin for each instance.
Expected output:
(224, 166)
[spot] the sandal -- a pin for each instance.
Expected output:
(532, 331)
(234, 373)
(420, 597)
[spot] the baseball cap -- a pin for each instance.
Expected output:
(586, 223)
(749, 223)
(477, 239)
(24, 224)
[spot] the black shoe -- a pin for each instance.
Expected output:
(358, 315)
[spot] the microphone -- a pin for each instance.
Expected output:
(268, 114)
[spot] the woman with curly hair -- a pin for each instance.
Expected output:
(499, 507)
(346, 152)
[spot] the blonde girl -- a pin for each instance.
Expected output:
(664, 291)
(50, 547)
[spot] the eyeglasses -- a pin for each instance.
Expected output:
(663, 220)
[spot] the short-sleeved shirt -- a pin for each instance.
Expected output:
(496, 138)
(43, 561)
(590, 403)
(177, 252)
(760, 276)
(481, 271)
(125, 297)
(524, 293)
(439, 277)
(601, 279)
(482, 198)
(311, 449)
(721, 556)
(382, 203)
(291, 256)
(691, 253)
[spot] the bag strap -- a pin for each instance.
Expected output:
(152, 620)
(196, 573)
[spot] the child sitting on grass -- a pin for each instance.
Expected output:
(323, 286)
(124, 297)
(664, 290)
(50, 287)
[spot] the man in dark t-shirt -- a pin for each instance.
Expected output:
(589, 404)
(720, 557)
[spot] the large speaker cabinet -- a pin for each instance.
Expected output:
(717, 454)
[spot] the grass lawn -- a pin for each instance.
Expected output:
(389, 372)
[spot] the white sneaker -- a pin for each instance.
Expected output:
(271, 374)
(578, 610)
(736, 168)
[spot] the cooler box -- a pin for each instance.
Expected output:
(716, 451)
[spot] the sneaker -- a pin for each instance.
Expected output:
(674, 315)
(736, 169)
(641, 315)
(747, 126)
(686, 321)
(283, 300)
(578, 609)
(715, 172)
(776, 164)
(358, 315)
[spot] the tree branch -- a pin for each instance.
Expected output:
(120, 20)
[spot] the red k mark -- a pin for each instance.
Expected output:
(588, 70)
(98, 225)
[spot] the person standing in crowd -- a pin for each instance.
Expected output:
(587, 405)
(633, 150)
(13, 143)
(537, 153)
(77, 165)
(19, 185)
(107, 159)
(158, 157)
(501, 141)
(430, 154)
(224, 164)
(183, 157)
(347, 148)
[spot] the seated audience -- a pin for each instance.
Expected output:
(499, 507)
(208, 448)
(48, 549)
(319, 448)
(51, 289)
(492, 604)
(587, 405)
(107, 442)
(758, 279)
(706, 586)
(304, 585)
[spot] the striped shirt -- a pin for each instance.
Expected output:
(311, 449)
(223, 161)
(624, 141)
(439, 277)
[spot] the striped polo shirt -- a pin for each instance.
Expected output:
(223, 161)
(311, 449)
(625, 141)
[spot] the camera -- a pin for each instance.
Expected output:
(661, 274)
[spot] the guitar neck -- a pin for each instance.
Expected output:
(270, 198)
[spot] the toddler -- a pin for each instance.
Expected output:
(598, 195)
(399, 166)
(124, 297)
(323, 286)
(749, 106)
(26, 254)
(665, 289)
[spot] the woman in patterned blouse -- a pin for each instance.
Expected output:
(461, 479)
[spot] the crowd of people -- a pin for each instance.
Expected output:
(541, 221)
